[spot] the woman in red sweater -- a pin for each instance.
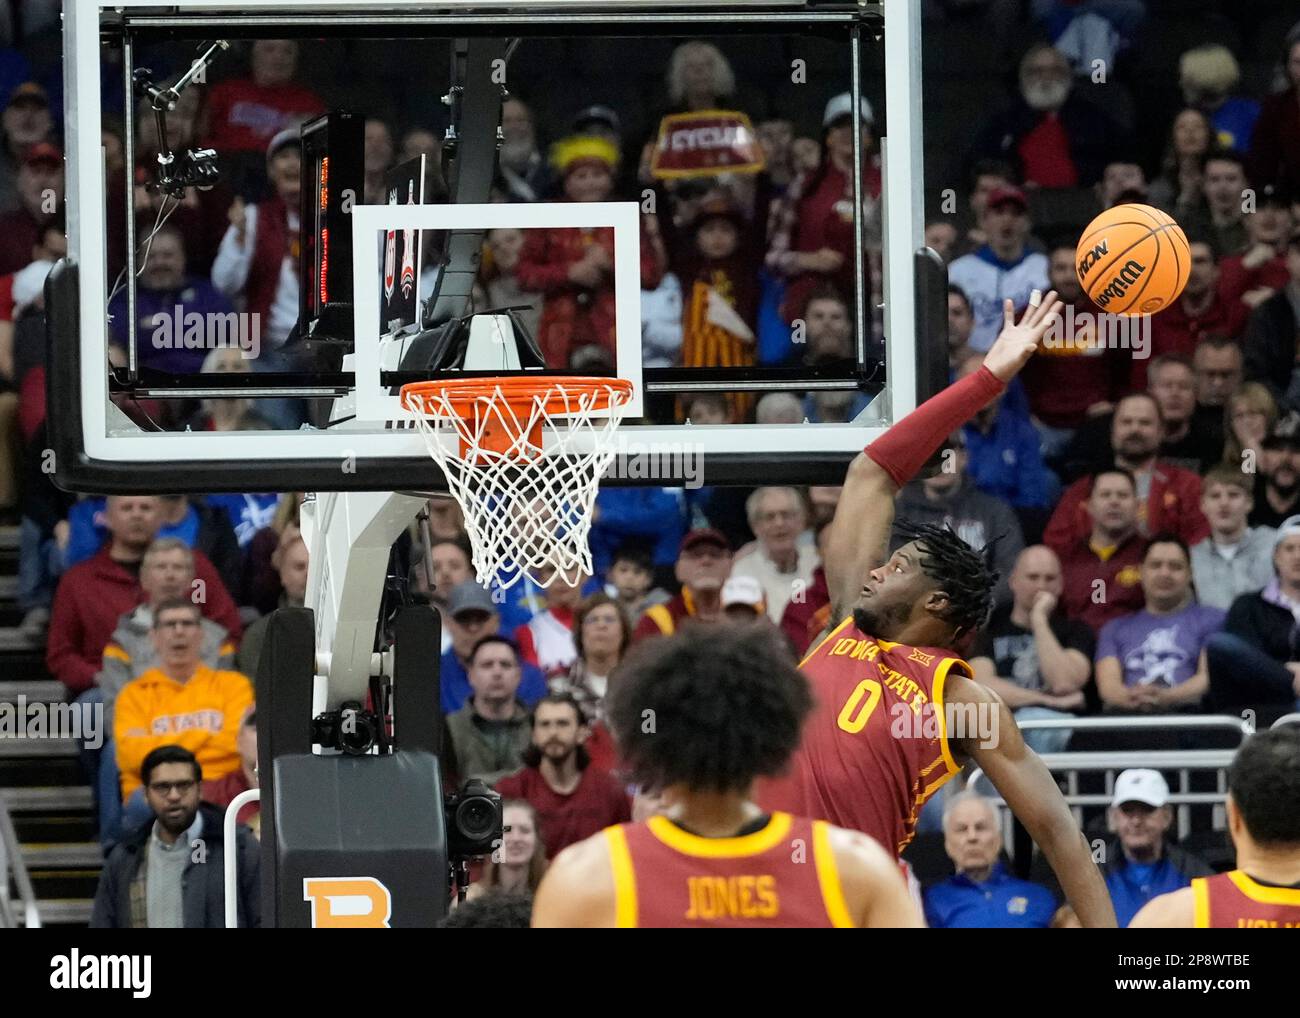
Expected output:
(812, 231)
(574, 268)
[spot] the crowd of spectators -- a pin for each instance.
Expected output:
(1143, 510)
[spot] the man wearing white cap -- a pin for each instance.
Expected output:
(812, 233)
(261, 237)
(1140, 862)
(257, 260)
(742, 599)
(1255, 661)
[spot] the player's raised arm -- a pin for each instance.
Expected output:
(860, 530)
(1030, 790)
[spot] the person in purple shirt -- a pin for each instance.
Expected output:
(176, 314)
(1154, 660)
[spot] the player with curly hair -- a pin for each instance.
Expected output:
(698, 721)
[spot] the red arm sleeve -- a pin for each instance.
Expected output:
(908, 445)
(7, 298)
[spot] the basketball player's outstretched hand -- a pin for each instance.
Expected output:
(1017, 342)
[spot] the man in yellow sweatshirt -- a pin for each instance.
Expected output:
(181, 702)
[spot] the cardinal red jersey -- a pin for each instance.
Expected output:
(875, 747)
(1234, 901)
(783, 875)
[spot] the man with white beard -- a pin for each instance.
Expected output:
(1054, 138)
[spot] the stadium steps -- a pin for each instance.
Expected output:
(65, 911)
(41, 782)
(44, 690)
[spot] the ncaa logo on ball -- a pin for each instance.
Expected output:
(1091, 258)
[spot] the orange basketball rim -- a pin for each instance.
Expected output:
(496, 411)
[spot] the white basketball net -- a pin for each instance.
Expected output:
(524, 512)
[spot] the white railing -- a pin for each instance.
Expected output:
(230, 856)
(1184, 761)
(12, 863)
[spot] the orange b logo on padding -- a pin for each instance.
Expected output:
(348, 903)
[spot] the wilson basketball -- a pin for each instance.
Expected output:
(1133, 260)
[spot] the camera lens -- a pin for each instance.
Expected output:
(356, 734)
(476, 818)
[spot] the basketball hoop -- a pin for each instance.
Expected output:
(526, 510)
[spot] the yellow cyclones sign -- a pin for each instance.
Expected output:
(348, 903)
(704, 144)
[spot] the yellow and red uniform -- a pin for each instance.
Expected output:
(875, 747)
(783, 875)
(1232, 900)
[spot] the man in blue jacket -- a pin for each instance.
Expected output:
(652, 515)
(982, 894)
(1004, 458)
(472, 613)
(1141, 863)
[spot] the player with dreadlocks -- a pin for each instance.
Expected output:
(898, 711)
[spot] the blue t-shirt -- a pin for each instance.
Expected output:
(987, 281)
(649, 514)
(456, 690)
(248, 513)
(1007, 462)
(1000, 902)
(1162, 649)
(1134, 884)
(1234, 123)
(87, 532)
(523, 600)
